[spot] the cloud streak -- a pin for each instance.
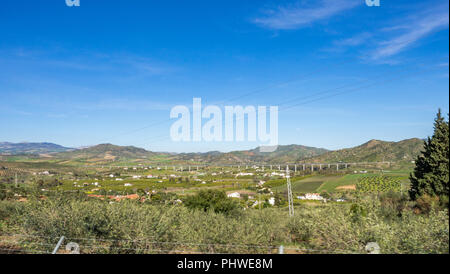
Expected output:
(284, 18)
(411, 31)
(356, 40)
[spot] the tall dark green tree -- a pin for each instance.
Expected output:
(431, 174)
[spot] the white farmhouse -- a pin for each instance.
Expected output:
(244, 174)
(234, 195)
(313, 196)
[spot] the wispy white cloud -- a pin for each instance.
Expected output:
(89, 61)
(13, 111)
(302, 14)
(382, 44)
(412, 30)
(343, 44)
(125, 105)
(356, 40)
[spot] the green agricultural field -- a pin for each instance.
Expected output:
(332, 183)
(308, 184)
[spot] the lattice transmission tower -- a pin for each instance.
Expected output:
(290, 199)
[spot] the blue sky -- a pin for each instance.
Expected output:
(341, 72)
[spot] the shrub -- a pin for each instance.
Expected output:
(426, 203)
(212, 200)
(134, 227)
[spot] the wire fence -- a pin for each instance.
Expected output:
(40, 244)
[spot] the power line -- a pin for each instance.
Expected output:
(255, 91)
(158, 138)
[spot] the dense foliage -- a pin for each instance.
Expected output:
(214, 200)
(134, 227)
(431, 174)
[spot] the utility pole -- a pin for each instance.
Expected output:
(259, 201)
(15, 179)
(290, 200)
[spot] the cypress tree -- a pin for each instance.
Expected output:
(431, 173)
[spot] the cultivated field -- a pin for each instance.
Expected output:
(159, 209)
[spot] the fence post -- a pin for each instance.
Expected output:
(281, 249)
(58, 245)
(372, 248)
(74, 248)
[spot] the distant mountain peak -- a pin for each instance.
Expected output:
(372, 143)
(31, 148)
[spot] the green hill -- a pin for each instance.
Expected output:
(375, 151)
(284, 154)
(372, 151)
(106, 153)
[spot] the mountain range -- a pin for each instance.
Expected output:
(31, 148)
(371, 151)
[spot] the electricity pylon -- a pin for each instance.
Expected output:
(290, 199)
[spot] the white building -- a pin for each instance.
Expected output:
(278, 174)
(313, 196)
(234, 195)
(244, 174)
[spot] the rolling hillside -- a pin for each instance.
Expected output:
(106, 153)
(375, 151)
(288, 153)
(372, 151)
